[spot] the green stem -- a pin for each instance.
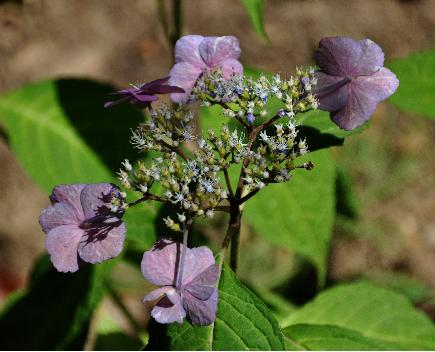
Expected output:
(233, 234)
(163, 17)
(186, 229)
(177, 15)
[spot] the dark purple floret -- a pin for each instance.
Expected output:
(193, 294)
(83, 224)
(143, 95)
(352, 79)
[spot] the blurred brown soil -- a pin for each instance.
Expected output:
(122, 42)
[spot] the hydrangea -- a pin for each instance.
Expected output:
(142, 96)
(352, 79)
(195, 54)
(188, 291)
(83, 224)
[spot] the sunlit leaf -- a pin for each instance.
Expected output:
(299, 214)
(373, 312)
(417, 85)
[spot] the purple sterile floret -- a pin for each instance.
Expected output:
(195, 296)
(143, 95)
(352, 79)
(194, 54)
(82, 225)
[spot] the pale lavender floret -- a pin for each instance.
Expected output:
(81, 226)
(352, 79)
(195, 54)
(197, 295)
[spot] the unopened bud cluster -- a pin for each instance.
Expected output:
(165, 129)
(247, 99)
(199, 183)
(273, 160)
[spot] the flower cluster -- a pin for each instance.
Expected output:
(165, 129)
(192, 184)
(84, 223)
(273, 160)
(246, 98)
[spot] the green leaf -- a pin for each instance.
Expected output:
(417, 291)
(347, 203)
(61, 134)
(277, 304)
(141, 230)
(254, 8)
(305, 337)
(116, 341)
(374, 312)
(55, 311)
(417, 85)
(320, 121)
(298, 215)
(243, 323)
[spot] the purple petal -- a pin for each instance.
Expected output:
(57, 215)
(331, 91)
(337, 55)
(109, 104)
(183, 75)
(158, 293)
(159, 263)
(68, 194)
(202, 286)
(143, 97)
(159, 81)
(356, 111)
(197, 260)
(169, 309)
(371, 60)
(214, 50)
(102, 242)
(163, 89)
(342, 56)
(231, 67)
(61, 243)
(200, 312)
(187, 50)
(378, 86)
(95, 198)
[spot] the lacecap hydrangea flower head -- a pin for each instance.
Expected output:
(83, 224)
(352, 79)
